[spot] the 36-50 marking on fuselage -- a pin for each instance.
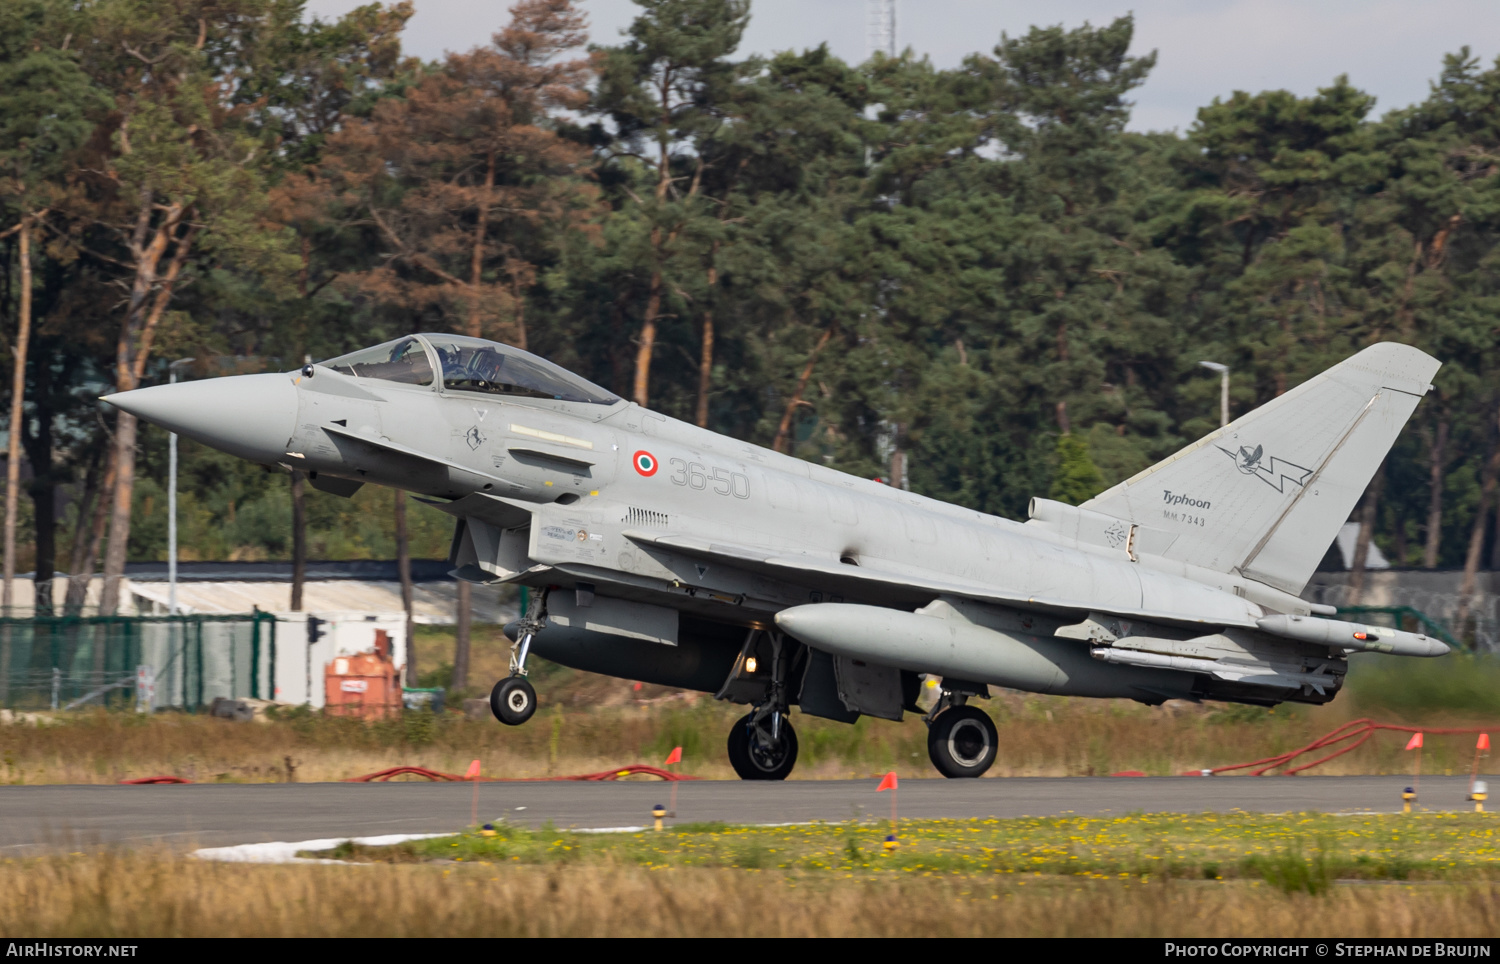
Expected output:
(695, 475)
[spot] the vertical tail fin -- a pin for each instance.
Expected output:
(1265, 495)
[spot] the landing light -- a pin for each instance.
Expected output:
(750, 664)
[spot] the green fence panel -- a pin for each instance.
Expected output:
(61, 661)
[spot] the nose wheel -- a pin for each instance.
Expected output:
(962, 742)
(513, 700)
(764, 749)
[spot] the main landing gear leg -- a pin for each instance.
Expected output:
(513, 700)
(762, 743)
(961, 739)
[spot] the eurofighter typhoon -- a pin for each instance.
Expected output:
(670, 554)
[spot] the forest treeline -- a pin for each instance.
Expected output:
(974, 281)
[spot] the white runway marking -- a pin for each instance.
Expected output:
(282, 852)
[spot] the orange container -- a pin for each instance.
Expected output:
(364, 685)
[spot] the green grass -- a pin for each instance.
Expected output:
(1290, 871)
(1295, 853)
(1411, 688)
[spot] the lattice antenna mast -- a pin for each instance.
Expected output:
(882, 27)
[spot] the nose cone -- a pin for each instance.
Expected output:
(252, 416)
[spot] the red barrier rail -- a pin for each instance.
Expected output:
(437, 776)
(631, 770)
(1353, 735)
(440, 777)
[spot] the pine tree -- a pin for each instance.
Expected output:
(45, 103)
(1077, 479)
(665, 89)
(464, 181)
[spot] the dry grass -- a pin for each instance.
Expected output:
(1134, 876)
(589, 723)
(148, 895)
(1041, 736)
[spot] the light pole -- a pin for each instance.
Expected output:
(172, 502)
(1223, 371)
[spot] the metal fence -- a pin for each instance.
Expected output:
(145, 661)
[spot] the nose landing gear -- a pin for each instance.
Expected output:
(513, 700)
(961, 739)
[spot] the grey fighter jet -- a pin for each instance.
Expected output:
(667, 553)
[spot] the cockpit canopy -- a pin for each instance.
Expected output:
(404, 360)
(469, 365)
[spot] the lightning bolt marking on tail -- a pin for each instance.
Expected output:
(1283, 472)
(1276, 474)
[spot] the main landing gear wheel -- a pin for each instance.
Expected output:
(513, 701)
(962, 742)
(755, 756)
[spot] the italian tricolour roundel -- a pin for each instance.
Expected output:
(645, 463)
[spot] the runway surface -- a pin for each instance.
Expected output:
(70, 818)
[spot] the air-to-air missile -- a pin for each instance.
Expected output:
(670, 554)
(1355, 637)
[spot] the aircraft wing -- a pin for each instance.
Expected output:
(494, 509)
(840, 576)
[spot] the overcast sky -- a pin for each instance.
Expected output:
(1206, 48)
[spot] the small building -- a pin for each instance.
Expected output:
(356, 586)
(354, 599)
(271, 655)
(211, 588)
